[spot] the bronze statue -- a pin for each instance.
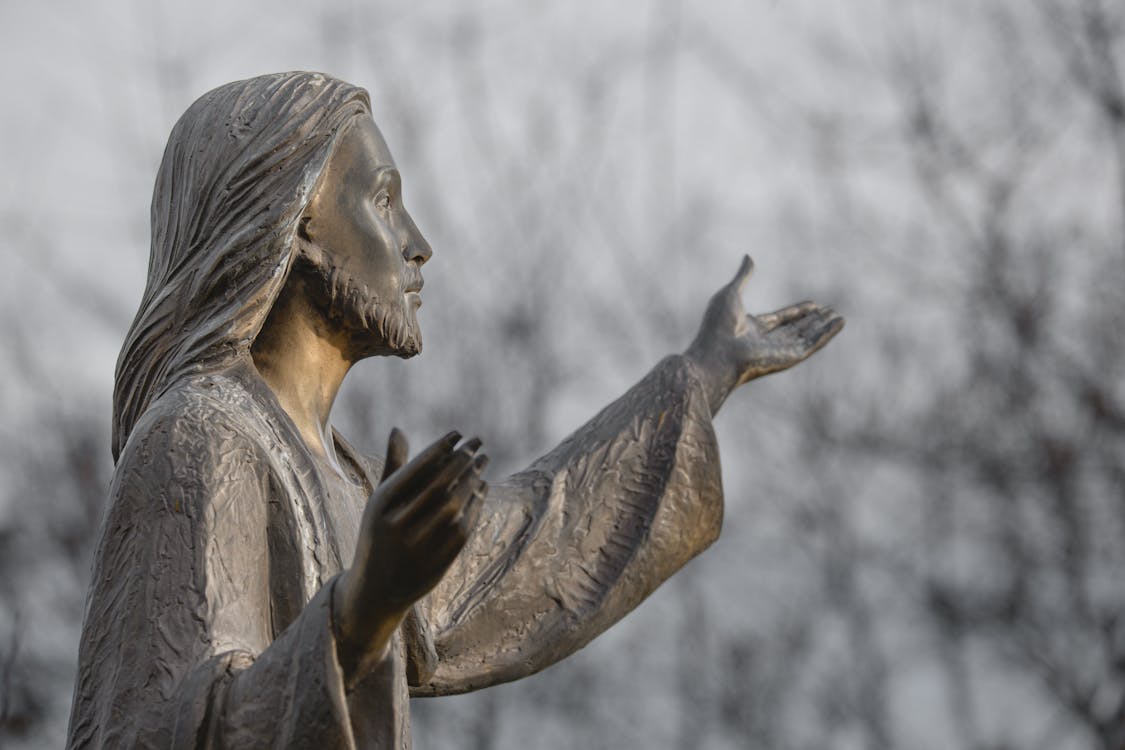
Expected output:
(257, 582)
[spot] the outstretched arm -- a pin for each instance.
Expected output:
(569, 546)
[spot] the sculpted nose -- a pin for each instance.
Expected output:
(417, 249)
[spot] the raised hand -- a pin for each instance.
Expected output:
(414, 525)
(733, 347)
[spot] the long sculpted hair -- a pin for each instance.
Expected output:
(238, 173)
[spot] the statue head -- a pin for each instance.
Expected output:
(360, 249)
(247, 193)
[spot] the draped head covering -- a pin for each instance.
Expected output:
(238, 172)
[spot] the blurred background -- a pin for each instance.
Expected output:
(925, 523)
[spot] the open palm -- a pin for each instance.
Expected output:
(733, 347)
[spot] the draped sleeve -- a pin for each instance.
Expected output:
(566, 548)
(181, 645)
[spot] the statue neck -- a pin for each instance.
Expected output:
(303, 358)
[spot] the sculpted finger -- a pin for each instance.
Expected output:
(448, 493)
(428, 460)
(450, 512)
(745, 269)
(430, 499)
(453, 532)
(785, 315)
(398, 449)
(725, 311)
(833, 324)
(458, 464)
(819, 329)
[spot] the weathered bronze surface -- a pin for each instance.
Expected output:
(260, 584)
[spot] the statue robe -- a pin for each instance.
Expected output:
(208, 623)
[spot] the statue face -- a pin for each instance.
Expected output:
(371, 247)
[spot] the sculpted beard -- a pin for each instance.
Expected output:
(391, 324)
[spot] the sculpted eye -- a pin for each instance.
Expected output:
(383, 200)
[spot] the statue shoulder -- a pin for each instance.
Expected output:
(199, 421)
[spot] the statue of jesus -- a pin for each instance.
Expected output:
(259, 583)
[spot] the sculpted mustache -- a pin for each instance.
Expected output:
(413, 280)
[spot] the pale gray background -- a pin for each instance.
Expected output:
(923, 546)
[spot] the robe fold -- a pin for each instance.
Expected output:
(208, 623)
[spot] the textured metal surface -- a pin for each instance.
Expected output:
(258, 583)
